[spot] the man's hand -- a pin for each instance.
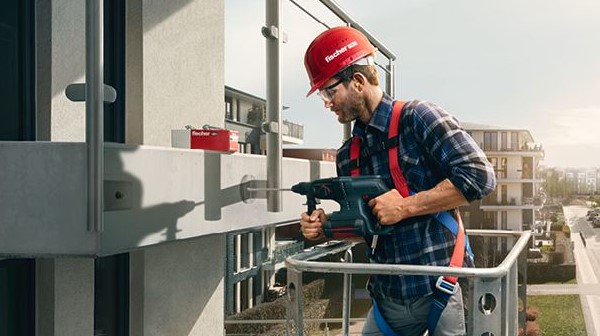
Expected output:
(388, 208)
(312, 226)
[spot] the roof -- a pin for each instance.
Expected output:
(233, 92)
(482, 127)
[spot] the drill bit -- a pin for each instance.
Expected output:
(269, 189)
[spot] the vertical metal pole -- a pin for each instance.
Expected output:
(513, 300)
(274, 148)
(295, 294)
(94, 112)
(346, 300)
(522, 287)
(390, 80)
(504, 299)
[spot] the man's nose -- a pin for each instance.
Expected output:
(327, 104)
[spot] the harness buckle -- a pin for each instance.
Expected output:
(445, 286)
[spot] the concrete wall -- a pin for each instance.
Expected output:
(174, 77)
(181, 54)
(183, 66)
(179, 288)
(64, 296)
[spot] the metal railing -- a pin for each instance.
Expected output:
(496, 299)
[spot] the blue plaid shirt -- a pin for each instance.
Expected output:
(432, 147)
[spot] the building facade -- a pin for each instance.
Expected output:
(246, 113)
(515, 203)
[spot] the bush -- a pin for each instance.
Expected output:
(532, 329)
(532, 313)
(546, 249)
(556, 226)
(532, 326)
(566, 230)
(314, 308)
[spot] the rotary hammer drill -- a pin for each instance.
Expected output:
(352, 194)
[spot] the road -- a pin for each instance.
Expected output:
(586, 242)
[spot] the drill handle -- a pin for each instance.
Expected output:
(311, 205)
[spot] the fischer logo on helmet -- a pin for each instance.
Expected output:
(332, 51)
(338, 52)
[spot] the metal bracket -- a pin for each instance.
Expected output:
(272, 32)
(118, 195)
(76, 93)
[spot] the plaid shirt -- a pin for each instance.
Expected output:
(432, 147)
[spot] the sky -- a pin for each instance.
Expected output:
(531, 64)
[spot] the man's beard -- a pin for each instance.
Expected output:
(351, 110)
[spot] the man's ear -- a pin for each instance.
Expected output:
(359, 80)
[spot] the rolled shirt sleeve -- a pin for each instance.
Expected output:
(454, 151)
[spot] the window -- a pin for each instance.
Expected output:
(17, 76)
(489, 220)
(514, 141)
(502, 171)
(490, 141)
(228, 109)
(503, 140)
(504, 193)
(114, 69)
(17, 123)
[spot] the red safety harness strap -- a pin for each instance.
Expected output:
(355, 156)
(395, 170)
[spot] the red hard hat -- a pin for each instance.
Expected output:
(332, 51)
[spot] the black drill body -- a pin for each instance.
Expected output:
(352, 194)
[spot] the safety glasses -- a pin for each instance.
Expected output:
(328, 93)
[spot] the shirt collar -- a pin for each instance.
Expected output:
(379, 119)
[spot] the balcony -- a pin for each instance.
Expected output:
(292, 133)
(283, 250)
(151, 195)
(293, 130)
(491, 203)
(525, 150)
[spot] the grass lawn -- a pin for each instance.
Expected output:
(560, 315)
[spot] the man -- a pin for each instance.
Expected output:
(441, 165)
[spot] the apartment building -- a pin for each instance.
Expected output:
(246, 113)
(515, 203)
(583, 181)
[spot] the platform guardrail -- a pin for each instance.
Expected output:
(496, 299)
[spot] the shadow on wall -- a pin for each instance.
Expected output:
(128, 223)
(123, 192)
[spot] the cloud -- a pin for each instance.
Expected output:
(579, 127)
(572, 156)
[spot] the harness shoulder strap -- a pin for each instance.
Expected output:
(395, 170)
(355, 156)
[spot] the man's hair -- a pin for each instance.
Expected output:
(368, 71)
